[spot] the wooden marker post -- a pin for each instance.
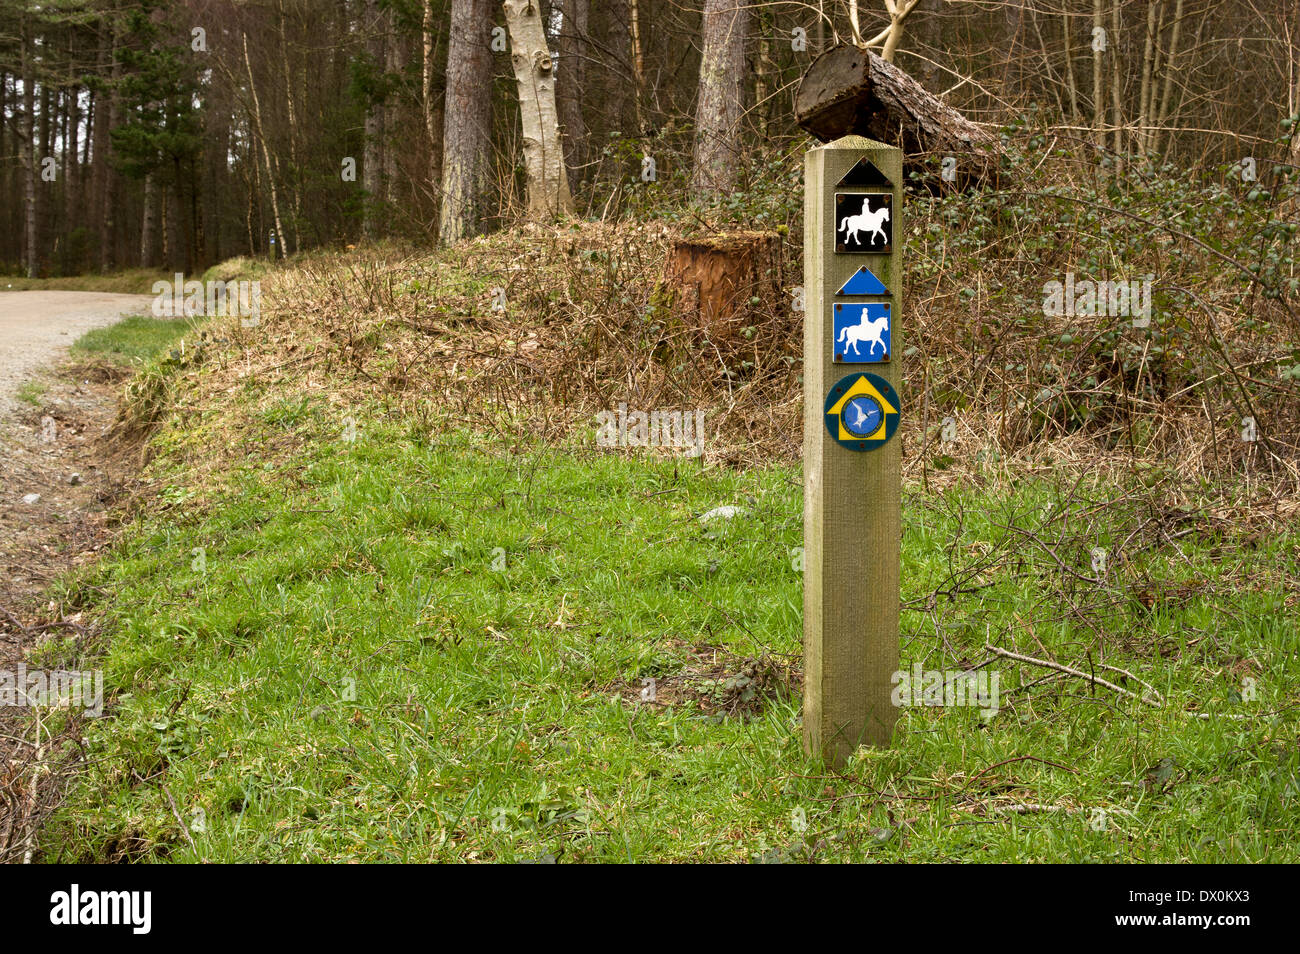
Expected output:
(852, 530)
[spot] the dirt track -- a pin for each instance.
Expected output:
(58, 477)
(36, 328)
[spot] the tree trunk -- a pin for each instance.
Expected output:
(372, 159)
(1098, 94)
(197, 255)
(766, 73)
(638, 63)
(898, 11)
(720, 106)
(572, 47)
(295, 190)
(1116, 90)
(109, 110)
(27, 132)
(395, 59)
(266, 155)
(1071, 84)
(217, 110)
(928, 34)
(1148, 77)
(430, 100)
(1166, 100)
(614, 46)
(45, 206)
(467, 123)
(165, 229)
(149, 223)
(7, 186)
(71, 172)
(548, 181)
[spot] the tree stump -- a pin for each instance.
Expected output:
(721, 284)
(847, 91)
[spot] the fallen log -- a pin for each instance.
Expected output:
(849, 91)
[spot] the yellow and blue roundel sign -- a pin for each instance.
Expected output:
(862, 411)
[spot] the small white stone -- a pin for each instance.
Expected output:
(31, 498)
(725, 512)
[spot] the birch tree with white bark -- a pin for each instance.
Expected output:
(530, 55)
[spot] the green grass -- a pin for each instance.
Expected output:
(240, 268)
(134, 339)
(32, 392)
(411, 648)
(132, 281)
(137, 281)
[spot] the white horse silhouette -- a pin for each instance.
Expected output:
(868, 330)
(865, 221)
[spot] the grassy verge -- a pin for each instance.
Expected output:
(134, 281)
(137, 281)
(135, 339)
(241, 268)
(424, 644)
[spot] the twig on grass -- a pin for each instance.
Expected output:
(1019, 758)
(185, 829)
(15, 622)
(1095, 680)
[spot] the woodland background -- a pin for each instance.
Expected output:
(165, 155)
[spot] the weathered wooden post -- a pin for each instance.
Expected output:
(852, 344)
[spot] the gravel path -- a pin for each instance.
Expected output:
(36, 328)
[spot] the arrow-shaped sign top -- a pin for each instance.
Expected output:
(863, 282)
(862, 386)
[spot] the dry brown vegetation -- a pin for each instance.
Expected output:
(587, 316)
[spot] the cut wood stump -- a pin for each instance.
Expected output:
(848, 91)
(721, 284)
